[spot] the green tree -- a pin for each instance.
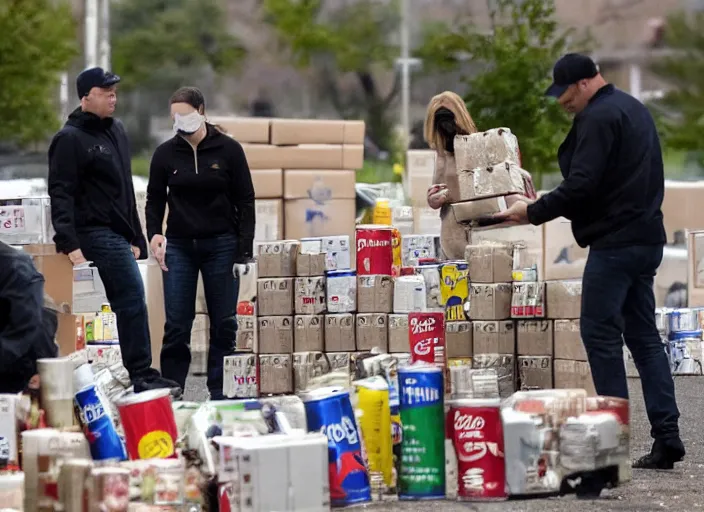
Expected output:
(512, 67)
(335, 38)
(159, 44)
(38, 42)
(680, 113)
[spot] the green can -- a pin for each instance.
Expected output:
(422, 474)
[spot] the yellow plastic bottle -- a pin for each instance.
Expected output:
(382, 212)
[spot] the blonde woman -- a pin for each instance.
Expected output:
(447, 116)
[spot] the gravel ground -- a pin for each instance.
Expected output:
(680, 489)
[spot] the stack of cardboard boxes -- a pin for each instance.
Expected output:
(303, 173)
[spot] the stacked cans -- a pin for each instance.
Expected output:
(684, 339)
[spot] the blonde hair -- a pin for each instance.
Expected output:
(455, 104)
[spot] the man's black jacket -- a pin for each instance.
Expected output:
(614, 183)
(27, 328)
(90, 181)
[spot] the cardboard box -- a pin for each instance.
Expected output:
(573, 375)
(564, 299)
(372, 331)
(247, 307)
(88, 290)
(484, 149)
(336, 249)
(152, 277)
(420, 168)
(466, 212)
(320, 186)
(269, 220)
(568, 341)
(490, 262)
(505, 366)
(528, 300)
(57, 271)
(535, 372)
(494, 337)
(375, 294)
(307, 218)
(285, 132)
(308, 333)
(275, 334)
(306, 367)
(534, 338)
(564, 259)
(66, 331)
(275, 296)
(309, 156)
(200, 340)
(309, 264)
(309, 298)
(526, 240)
(695, 276)
(490, 301)
(426, 221)
(398, 333)
(241, 376)
(26, 221)
(458, 339)
(681, 207)
(278, 259)
(340, 332)
(489, 182)
(268, 183)
(244, 129)
(275, 374)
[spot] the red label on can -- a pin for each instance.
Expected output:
(426, 335)
(477, 435)
(149, 426)
(374, 251)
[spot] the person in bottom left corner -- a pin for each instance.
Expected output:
(27, 327)
(94, 213)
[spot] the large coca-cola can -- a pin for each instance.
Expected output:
(426, 336)
(374, 250)
(476, 431)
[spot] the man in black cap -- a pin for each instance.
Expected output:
(612, 192)
(94, 213)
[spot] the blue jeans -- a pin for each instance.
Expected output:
(112, 255)
(618, 305)
(185, 258)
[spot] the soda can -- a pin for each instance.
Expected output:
(100, 431)
(422, 474)
(684, 320)
(427, 337)
(375, 424)
(374, 250)
(476, 431)
(329, 411)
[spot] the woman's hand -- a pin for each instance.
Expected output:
(437, 196)
(158, 246)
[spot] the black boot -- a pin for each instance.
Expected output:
(663, 455)
(152, 380)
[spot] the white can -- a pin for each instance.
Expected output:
(341, 291)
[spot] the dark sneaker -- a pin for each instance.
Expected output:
(663, 455)
(157, 382)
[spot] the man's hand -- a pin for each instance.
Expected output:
(158, 246)
(437, 196)
(136, 252)
(517, 212)
(76, 257)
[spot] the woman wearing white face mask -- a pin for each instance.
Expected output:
(204, 177)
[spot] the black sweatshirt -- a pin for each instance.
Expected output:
(612, 167)
(90, 181)
(209, 189)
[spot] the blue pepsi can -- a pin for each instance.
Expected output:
(329, 411)
(102, 437)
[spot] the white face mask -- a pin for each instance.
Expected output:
(187, 124)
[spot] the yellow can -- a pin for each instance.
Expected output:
(396, 252)
(382, 212)
(454, 289)
(375, 423)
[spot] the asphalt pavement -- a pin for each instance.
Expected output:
(679, 489)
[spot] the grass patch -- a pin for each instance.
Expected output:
(377, 172)
(140, 166)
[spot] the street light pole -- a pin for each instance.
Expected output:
(91, 33)
(104, 46)
(405, 75)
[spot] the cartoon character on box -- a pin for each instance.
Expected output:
(454, 290)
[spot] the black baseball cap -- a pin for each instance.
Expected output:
(570, 69)
(94, 77)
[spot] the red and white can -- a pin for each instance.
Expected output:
(426, 337)
(374, 250)
(149, 424)
(475, 429)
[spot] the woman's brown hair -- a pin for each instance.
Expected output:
(455, 104)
